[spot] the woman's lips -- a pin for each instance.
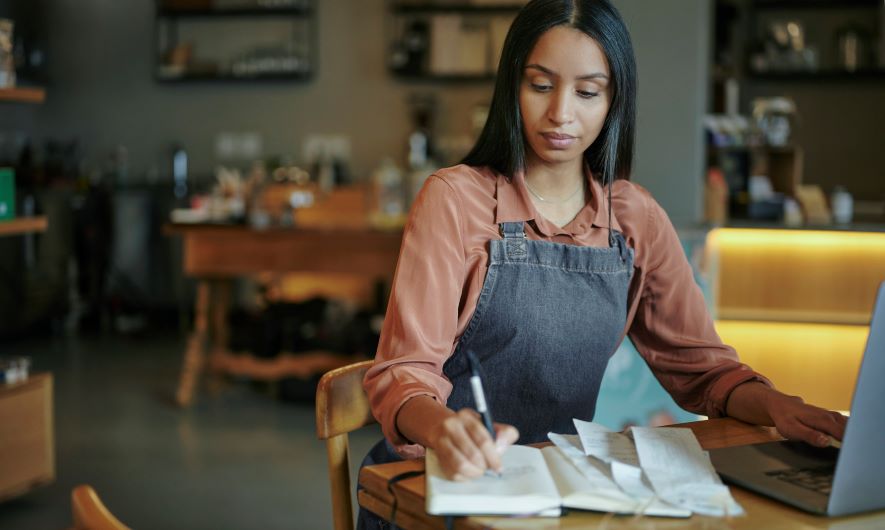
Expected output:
(559, 141)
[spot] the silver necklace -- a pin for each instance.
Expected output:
(554, 201)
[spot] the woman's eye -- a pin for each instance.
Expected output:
(540, 87)
(586, 94)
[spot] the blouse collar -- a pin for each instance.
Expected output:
(515, 204)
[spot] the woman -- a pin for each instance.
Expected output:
(539, 255)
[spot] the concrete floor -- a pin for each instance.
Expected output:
(239, 459)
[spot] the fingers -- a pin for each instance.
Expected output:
(482, 440)
(464, 446)
(813, 425)
(796, 430)
(505, 436)
(455, 464)
(826, 423)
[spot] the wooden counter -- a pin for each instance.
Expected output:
(27, 439)
(217, 254)
(23, 225)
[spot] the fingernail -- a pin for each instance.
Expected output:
(823, 440)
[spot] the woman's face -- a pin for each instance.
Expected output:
(563, 97)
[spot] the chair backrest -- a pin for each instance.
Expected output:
(342, 407)
(90, 513)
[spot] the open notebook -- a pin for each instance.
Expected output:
(662, 473)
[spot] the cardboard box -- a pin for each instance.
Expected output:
(7, 193)
(27, 437)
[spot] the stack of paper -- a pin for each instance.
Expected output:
(665, 462)
(660, 471)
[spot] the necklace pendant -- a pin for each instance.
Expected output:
(554, 201)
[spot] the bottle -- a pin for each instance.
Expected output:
(842, 205)
(179, 171)
(715, 197)
(792, 213)
(324, 171)
(389, 194)
(420, 166)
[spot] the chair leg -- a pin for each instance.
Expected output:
(339, 477)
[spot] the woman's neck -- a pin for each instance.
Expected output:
(554, 181)
(557, 191)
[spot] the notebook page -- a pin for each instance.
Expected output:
(525, 486)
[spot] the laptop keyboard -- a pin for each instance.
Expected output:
(819, 479)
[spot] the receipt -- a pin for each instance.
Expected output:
(681, 472)
(600, 442)
(596, 474)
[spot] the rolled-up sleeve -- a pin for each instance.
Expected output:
(422, 315)
(673, 330)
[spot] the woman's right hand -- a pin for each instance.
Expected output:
(465, 448)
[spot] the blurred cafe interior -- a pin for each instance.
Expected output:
(202, 201)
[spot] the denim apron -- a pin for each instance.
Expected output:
(548, 319)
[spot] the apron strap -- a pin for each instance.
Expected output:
(514, 240)
(515, 230)
(617, 240)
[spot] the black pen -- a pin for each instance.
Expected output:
(479, 396)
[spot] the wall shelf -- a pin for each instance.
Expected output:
(23, 225)
(448, 43)
(443, 78)
(819, 75)
(401, 8)
(206, 44)
(200, 77)
(242, 12)
(814, 4)
(22, 95)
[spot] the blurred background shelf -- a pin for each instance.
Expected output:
(233, 12)
(813, 4)
(23, 225)
(450, 42)
(443, 78)
(206, 41)
(199, 76)
(403, 8)
(818, 75)
(22, 95)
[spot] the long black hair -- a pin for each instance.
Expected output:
(501, 145)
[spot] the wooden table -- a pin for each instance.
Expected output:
(216, 254)
(27, 439)
(23, 225)
(762, 513)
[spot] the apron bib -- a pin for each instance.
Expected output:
(548, 319)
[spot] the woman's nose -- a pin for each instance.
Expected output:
(560, 110)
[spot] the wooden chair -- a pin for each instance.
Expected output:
(90, 513)
(342, 407)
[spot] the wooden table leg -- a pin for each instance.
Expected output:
(219, 349)
(194, 355)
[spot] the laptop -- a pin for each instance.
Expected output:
(826, 481)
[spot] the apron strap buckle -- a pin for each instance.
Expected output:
(512, 230)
